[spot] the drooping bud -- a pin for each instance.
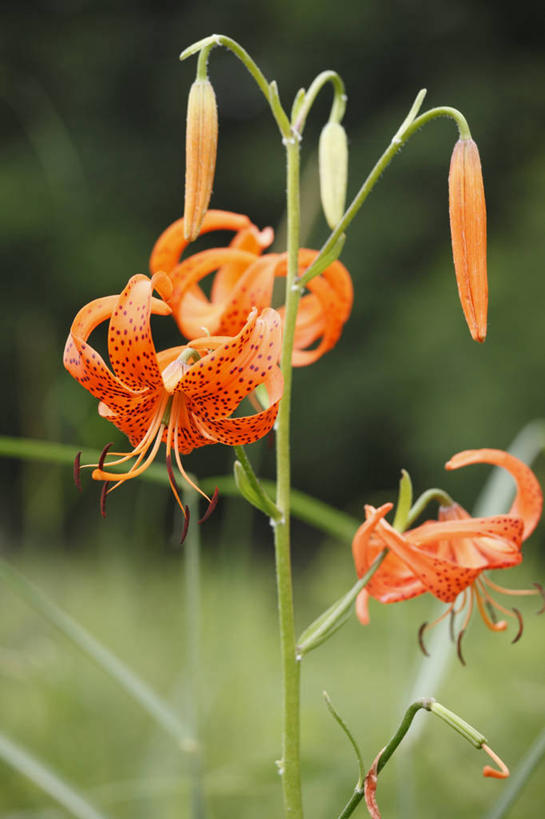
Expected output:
(467, 210)
(333, 162)
(200, 152)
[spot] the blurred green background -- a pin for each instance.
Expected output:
(93, 110)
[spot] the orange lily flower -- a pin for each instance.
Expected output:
(244, 279)
(183, 396)
(449, 556)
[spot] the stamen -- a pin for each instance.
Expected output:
(503, 771)
(103, 494)
(172, 481)
(183, 473)
(211, 506)
(503, 590)
(492, 624)
(77, 468)
(521, 626)
(186, 524)
(103, 455)
(541, 590)
(421, 631)
(134, 470)
(459, 646)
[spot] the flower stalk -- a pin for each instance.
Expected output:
(290, 762)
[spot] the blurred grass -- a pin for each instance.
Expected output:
(68, 713)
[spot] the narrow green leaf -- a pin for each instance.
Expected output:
(336, 615)
(46, 779)
(310, 510)
(109, 662)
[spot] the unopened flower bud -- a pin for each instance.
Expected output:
(468, 231)
(333, 156)
(200, 150)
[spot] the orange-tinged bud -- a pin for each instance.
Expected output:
(333, 161)
(468, 230)
(200, 152)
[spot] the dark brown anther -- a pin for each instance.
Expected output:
(521, 626)
(77, 470)
(459, 646)
(103, 455)
(186, 524)
(541, 590)
(103, 494)
(211, 506)
(421, 631)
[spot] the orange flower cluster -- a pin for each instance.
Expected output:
(185, 396)
(448, 557)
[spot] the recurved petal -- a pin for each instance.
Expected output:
(171, 243)
(217, 383)
(250, 239)
(528, 503)
(498, 539)
(393, 581)
(441, 577)
(86, 365)
(249, 428)
(253, 289)
(324, 311)
(130, 344)
(362, 550)
(188, 273)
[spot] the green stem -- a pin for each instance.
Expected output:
(339, 99)
(424, 500)
(290, 763)
(219, 39)
(358, 794)
(404, 133)
(352, 804)
(192, 548)
(402, 730)
(202, 63)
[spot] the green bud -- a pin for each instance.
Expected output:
(333, 156)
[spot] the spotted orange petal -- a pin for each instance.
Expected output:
(528, 502)
(446, 578)
(171, 243)
(324, 312)
(250, 239)
(394, 580)
(130, 343)
(217, 383)
(249, 428)
(87, 366)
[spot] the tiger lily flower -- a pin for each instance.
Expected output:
(448, 557)
(244, 279)
(183, 396)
